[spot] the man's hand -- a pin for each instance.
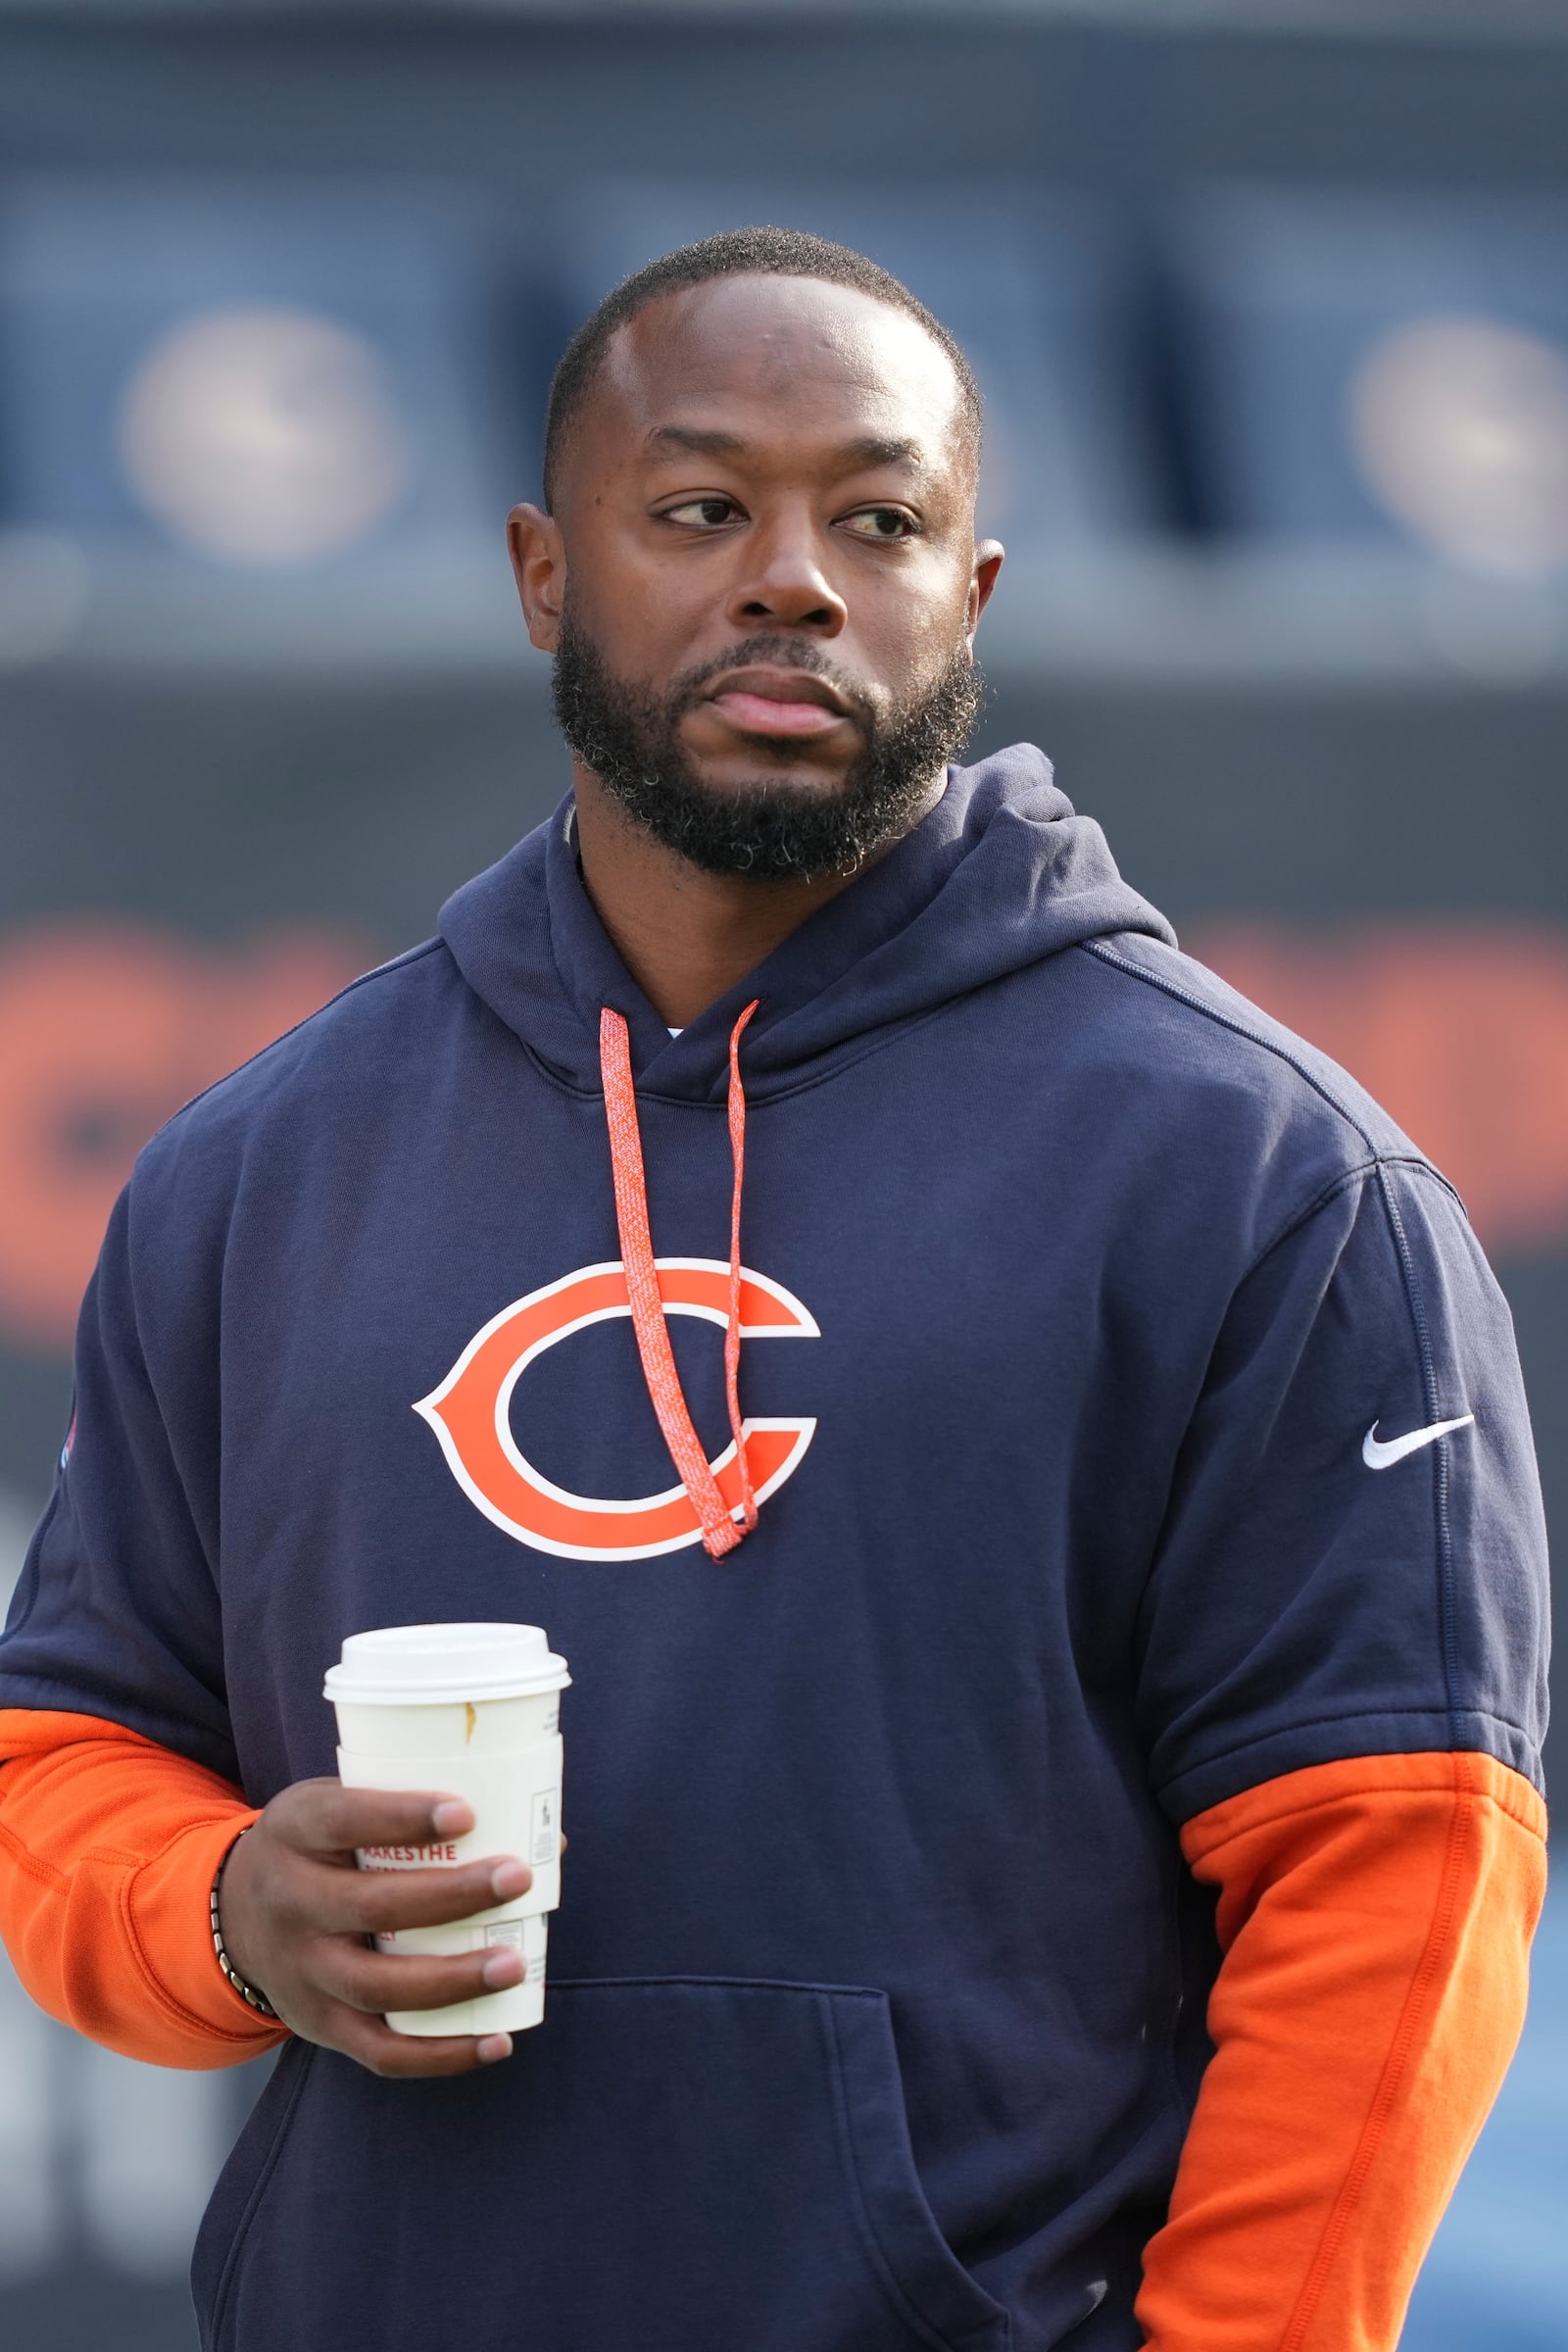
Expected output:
(295, 1913)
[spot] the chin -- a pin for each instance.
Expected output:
(780, 772)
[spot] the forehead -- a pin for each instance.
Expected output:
(778, 359)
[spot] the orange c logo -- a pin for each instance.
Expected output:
(470, 1412)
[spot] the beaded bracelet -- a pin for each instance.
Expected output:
(247, 1992)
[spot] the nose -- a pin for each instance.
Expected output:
(786, 583)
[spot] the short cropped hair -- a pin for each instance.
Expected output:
(737, 253)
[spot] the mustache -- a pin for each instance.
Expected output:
(781, 653)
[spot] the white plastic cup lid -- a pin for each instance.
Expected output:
(432, 1665)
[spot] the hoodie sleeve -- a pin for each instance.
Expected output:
(117, 1613)
(117, 1773)
(1354, 1557)
(1343, 1695)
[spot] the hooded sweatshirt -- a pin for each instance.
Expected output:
(1130, 1432)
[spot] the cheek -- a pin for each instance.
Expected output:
(641, 610)
(911, 624)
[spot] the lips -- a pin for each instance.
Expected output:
(778, 701)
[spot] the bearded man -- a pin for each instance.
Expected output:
(1054, 1778)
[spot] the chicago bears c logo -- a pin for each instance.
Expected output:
(471, 1415)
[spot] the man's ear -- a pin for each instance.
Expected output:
(988, 557)
(539, 567)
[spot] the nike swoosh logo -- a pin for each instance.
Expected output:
(1378, 1453)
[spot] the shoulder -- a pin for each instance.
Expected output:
(1197, 1031)
(327, 1071)
(1215, 1074)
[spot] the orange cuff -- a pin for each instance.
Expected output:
(109, 1844)
(1375, 1917)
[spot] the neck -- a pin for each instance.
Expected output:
(685, 935)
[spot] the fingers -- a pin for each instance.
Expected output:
(413, 2057)
(322, 1824)
(324, 1819)
(372, 1902)
(376, 1981)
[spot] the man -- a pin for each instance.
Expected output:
(1052, 1752)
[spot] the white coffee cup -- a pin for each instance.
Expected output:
(473, 1711)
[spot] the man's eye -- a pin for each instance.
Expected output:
(703, 513)
(880, 522)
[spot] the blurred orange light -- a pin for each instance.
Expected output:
(105, 1030)
(1460, 1030)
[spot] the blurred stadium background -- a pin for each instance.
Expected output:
(1270, 301)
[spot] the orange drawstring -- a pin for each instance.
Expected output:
(720, 1534)
(732, 1329)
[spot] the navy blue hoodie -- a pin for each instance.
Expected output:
(876, 2002)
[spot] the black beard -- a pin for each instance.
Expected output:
(776, 831)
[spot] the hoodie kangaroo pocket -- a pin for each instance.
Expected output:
(666, 2165)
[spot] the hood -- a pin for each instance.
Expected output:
(1001, 874)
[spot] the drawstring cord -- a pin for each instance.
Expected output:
(732, 1329)
(720, 1534)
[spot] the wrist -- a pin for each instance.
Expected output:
(169, 1903)
(251, 1994)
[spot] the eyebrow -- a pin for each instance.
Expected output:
(712, 442)
(697, 444)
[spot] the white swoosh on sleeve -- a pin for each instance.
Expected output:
(1379, 1453)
